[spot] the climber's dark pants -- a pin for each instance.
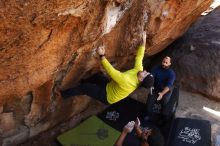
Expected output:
(94, 87)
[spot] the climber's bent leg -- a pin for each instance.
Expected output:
(92, 90)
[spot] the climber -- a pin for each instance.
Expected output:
(121, 84)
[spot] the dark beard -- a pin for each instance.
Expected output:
(165, 67)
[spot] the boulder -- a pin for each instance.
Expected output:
(7, 122)
(47, 44)
(21, 135)
(1, 109)
(41, 40)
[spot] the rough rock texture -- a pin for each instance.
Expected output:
(44, 44)
(196, 56)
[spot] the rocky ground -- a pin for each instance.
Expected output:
(190, 105)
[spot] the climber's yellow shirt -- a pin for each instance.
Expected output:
(123, 83)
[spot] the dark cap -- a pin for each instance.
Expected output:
(148, 81)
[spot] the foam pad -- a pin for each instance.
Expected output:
(170, 109)
(190, 132)
(119, 114)
(92, 132)
(158, 113)
(153, 108)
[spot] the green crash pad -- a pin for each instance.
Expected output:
(92, 132)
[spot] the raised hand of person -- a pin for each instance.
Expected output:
(101, 51)
(129, 127)
(137, 122)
